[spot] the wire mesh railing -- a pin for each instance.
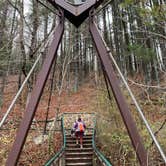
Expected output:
(59, 157)
(100, 158)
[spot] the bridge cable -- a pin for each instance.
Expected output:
(49, 99)
(106, 82)
(43, 46)
(137, 105)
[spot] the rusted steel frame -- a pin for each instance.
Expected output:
(93, 3)
(122, 105)
(78, 10)
(67, 6)
(76, 14)
(36, 95)
(75, 10)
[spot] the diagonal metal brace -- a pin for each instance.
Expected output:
(113, 81)
(36, 95)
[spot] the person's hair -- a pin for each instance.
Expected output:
(79, 117)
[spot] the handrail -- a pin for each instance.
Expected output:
(98, 153)
(61, 151)
(138, 107)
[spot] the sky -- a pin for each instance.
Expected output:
(26, 6)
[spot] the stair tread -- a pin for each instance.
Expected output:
(73, 140)
(85, 135)
(89, 135)
(78, 148)
(75, 137)
(77, 158)
(78, 153)
(73, 143)
(81, 163)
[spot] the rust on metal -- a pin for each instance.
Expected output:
(36, 94)
(122, 105)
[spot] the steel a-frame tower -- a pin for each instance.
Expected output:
(76, 14)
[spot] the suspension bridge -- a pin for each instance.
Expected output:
(77, 13)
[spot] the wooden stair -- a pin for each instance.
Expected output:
(76, 156)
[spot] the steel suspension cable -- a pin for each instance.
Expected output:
(134, 99)
(137, 106)
(49, 98)
(44, 45)
(106, 82)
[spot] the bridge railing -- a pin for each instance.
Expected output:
(101, 160)
(59, 157)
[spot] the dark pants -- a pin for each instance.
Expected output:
(79, 134)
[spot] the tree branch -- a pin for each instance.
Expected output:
(157, 132)
(146, 86)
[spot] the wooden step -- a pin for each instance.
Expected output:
(74, 145)
(78, 154)
(78, 149)
(74, 138)
(74, 141)
(79, 164)
(78, 159)
(68, 136)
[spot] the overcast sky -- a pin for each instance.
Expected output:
(26, 6)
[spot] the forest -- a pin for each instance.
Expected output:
(134, 32)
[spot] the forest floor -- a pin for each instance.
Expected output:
(38, 153)
(84, 100)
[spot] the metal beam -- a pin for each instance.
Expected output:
(122, 105)
(36, 95)
(76, 14)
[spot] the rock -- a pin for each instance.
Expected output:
(40, 139)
